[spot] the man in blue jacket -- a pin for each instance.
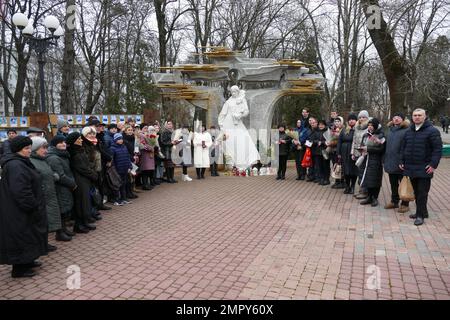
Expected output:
(421, 153)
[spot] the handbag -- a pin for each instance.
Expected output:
(336, 173)
(307, 159)
(406, 190)
(96, 197)
(113, 179)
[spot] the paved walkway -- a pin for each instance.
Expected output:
(252, 238)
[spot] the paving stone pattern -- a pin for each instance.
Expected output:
(252, 238)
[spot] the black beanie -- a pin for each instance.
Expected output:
(399, 114)
(375, 123)
(57, 139)
(71, 138)
(352, 116)
(19, 142)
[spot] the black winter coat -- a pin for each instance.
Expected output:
(394, 141)
(373, 173)
(283, 149)
(420, 149)
(344, 149)
(85, 178)
(165, 143)
(129, 142)
(59, 161)
(23, 217)
(316, 137)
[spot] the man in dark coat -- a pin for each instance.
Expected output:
(166, 143)
(421, 153)
(23, 217)
(305, 118)
(392, 159)
(5, 148)
(283, 145)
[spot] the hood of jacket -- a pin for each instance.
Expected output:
(14, 156)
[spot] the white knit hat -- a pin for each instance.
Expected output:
(87, 130)
(364, 114)
(37, 143)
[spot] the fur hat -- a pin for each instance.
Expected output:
(57, 140)
(117, 137)
(352, 116)
(364, 114)
(38, 142)
(19, 142)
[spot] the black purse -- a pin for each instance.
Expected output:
(96, 197)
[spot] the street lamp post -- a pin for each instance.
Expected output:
(39, 45)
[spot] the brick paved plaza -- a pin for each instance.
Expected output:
(252, 238)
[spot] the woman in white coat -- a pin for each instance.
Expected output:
(202, 143)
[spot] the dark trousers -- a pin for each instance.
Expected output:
(421, 188)
(394, 180)
(185, 170)
(317, 165)
(373, 192)
(282, 165)
(350, 181)
(299, 154)
(122, 193)
(325, 168)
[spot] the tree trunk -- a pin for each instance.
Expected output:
(396, 68)
(68, 70)
(162, 32)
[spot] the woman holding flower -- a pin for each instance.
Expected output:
(147, 145)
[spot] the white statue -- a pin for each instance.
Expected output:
(239, 145)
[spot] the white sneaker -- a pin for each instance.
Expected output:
(188, 178)
(118, 203)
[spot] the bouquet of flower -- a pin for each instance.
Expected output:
(294, 135)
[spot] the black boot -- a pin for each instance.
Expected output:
(172, 175)
(198, 173)
(51, 248)
(145, 183)
(22, 271)
(80, 229)
(368, 200)
(64, 227)
(62, 236)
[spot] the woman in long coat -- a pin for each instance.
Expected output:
(202, 143)
(166, 142)
(85, 178)
(344, 151)
(373, 145)
(58, 158)
(23, 218)
(48, 179)
(147, 143)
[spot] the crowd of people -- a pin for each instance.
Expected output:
(50, 186)
(358, 150)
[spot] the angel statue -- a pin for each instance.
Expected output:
(239, 146)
